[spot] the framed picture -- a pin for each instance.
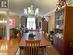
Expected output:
(4, 4)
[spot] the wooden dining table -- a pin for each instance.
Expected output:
(37, 36)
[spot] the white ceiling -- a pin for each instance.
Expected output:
(44, 5)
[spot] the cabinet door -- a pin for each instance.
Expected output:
(59, 27)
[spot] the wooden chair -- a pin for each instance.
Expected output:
(32, 47)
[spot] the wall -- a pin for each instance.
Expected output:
(51, 22)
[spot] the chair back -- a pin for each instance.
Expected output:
(32, 47)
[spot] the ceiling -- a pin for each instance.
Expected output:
(44, 6)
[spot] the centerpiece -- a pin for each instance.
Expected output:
(31, 35)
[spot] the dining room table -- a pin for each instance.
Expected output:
(37, 36)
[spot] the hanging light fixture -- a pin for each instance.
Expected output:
(31, 11)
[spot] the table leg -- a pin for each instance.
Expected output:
(43, 48)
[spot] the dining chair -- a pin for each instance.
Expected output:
(32, 47)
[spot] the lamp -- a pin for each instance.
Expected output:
(31, 11)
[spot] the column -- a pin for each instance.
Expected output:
(8, 27)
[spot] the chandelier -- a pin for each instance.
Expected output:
(31, 11)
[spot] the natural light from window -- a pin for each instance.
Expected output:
(31, 23)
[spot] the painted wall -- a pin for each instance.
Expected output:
(51, 22)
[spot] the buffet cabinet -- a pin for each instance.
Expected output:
(63, 39)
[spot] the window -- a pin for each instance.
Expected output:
(31, 23)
